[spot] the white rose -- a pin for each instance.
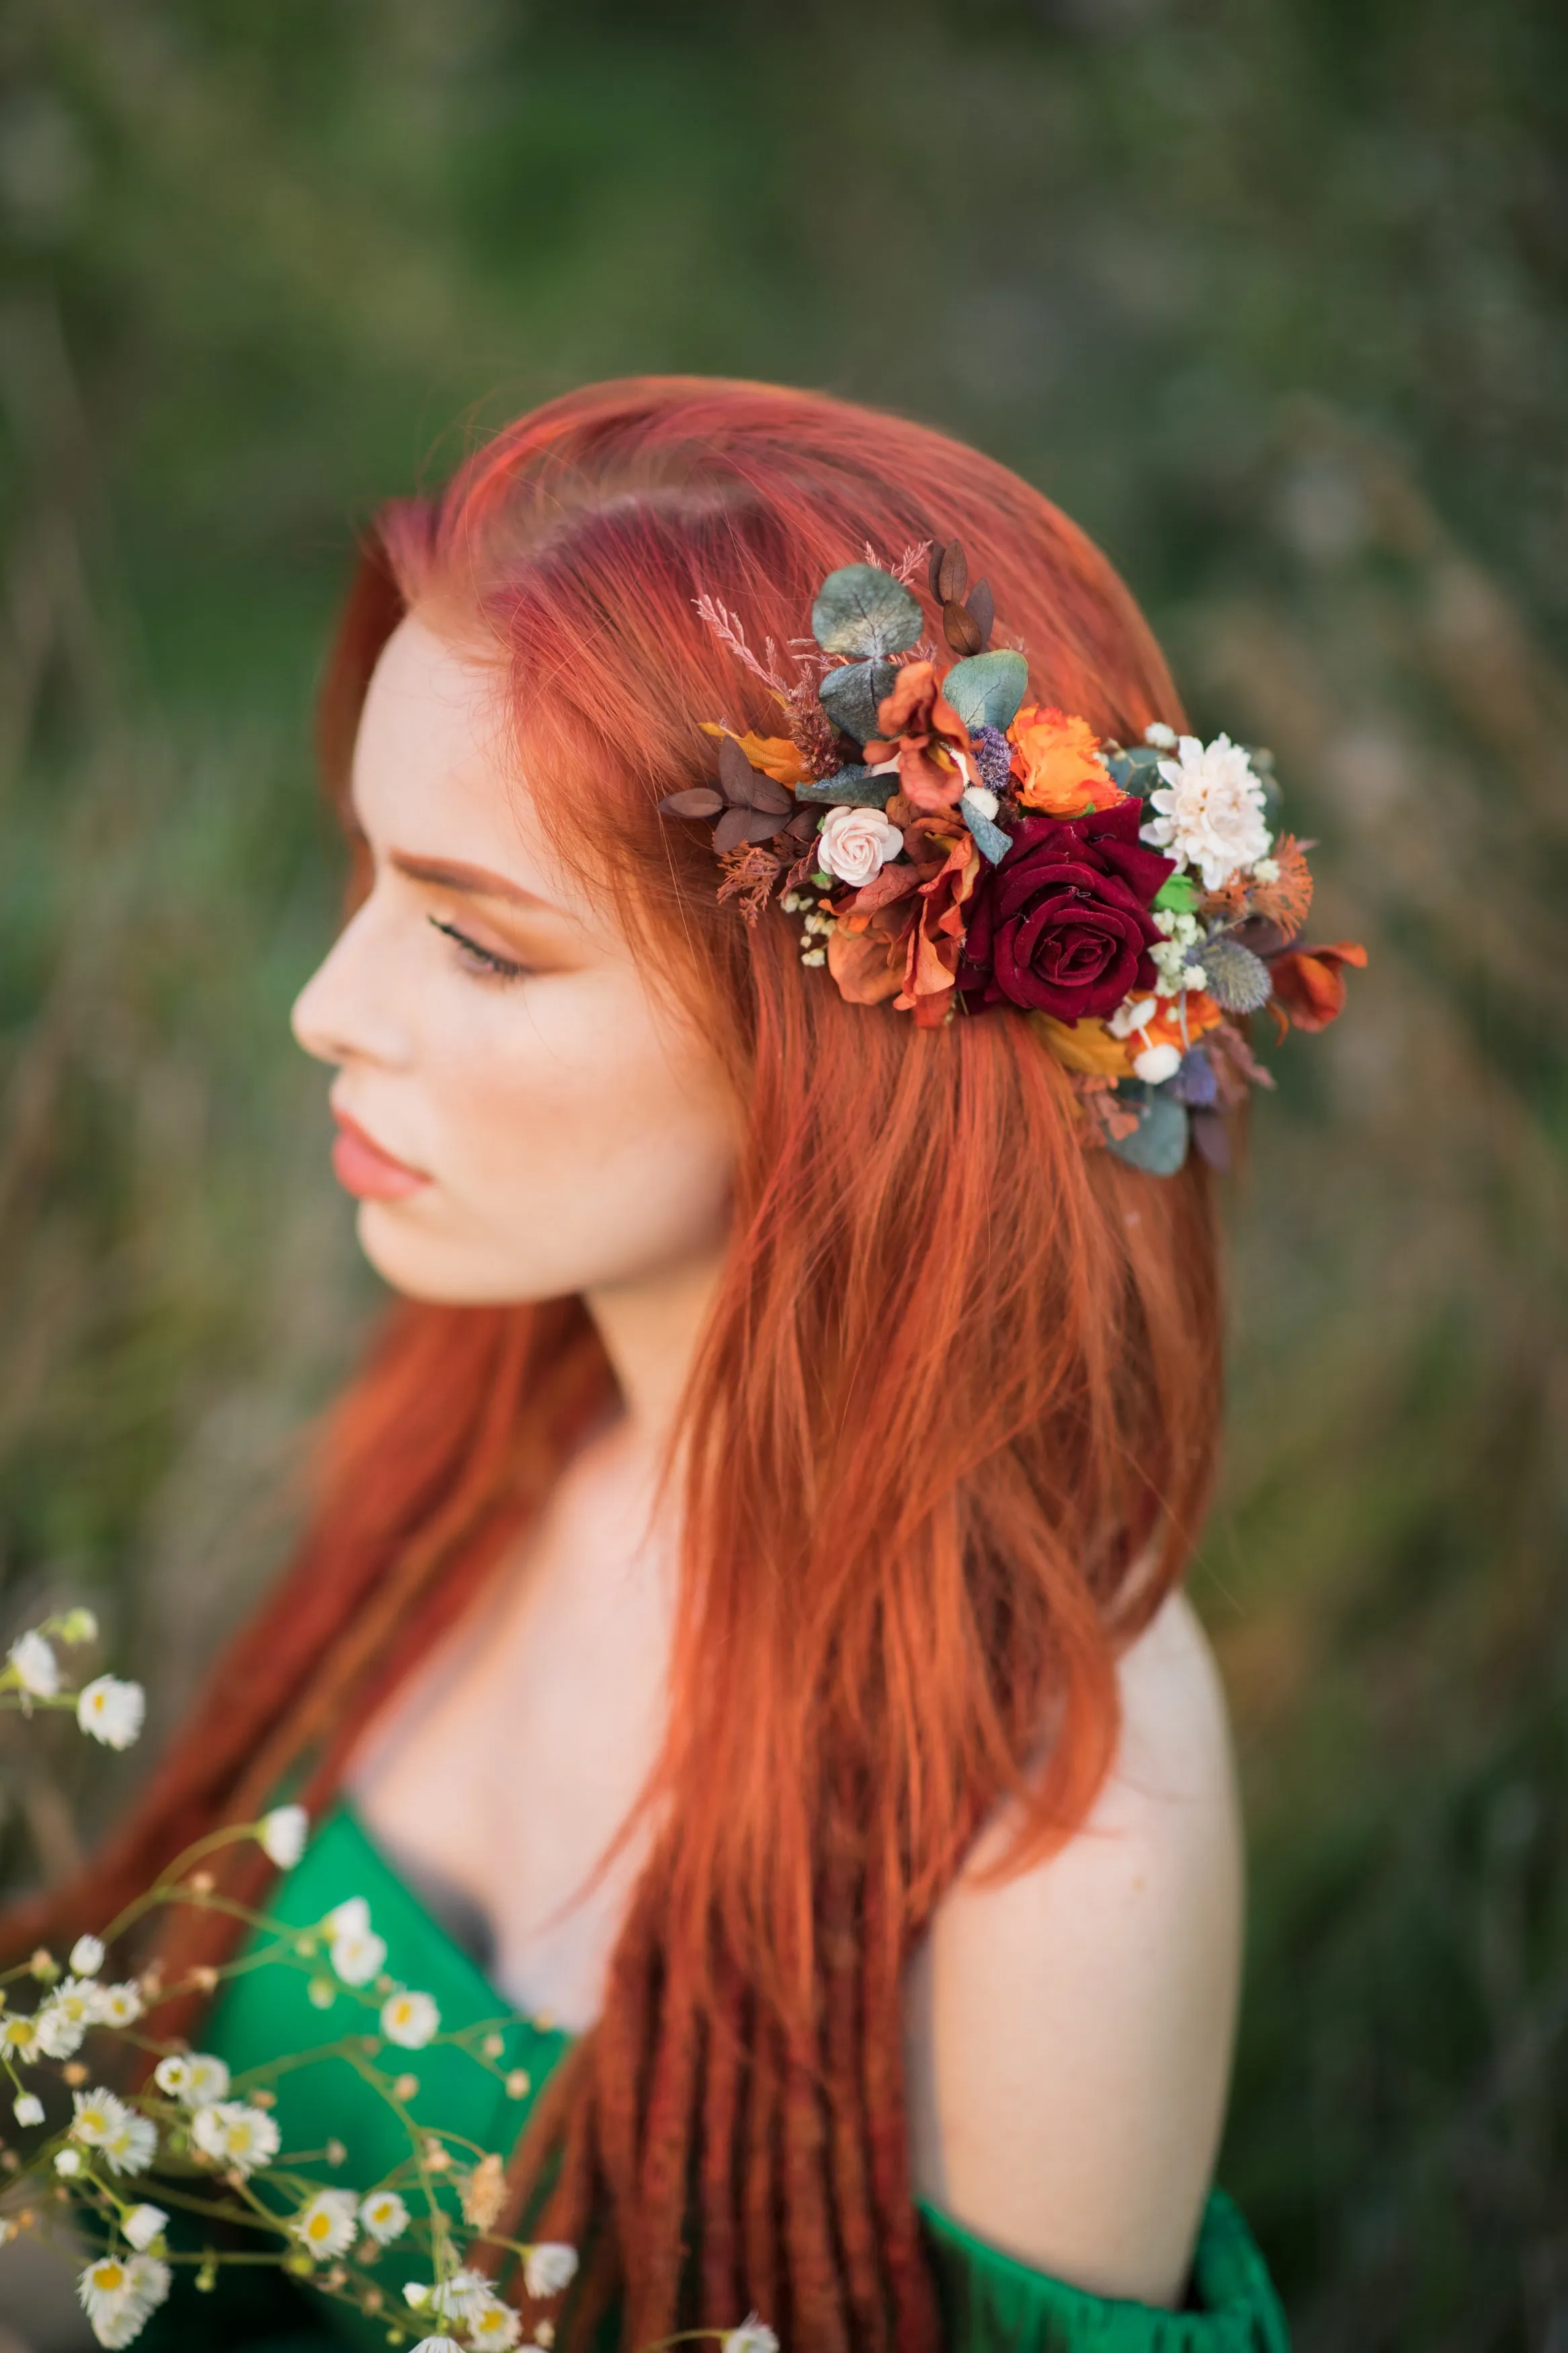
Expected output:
(856, 842)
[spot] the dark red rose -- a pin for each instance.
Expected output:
(1062, 925)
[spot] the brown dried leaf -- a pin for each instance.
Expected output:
(981, 607)
(741, 825)
(953, 574)
(961, 632)
(697, 800)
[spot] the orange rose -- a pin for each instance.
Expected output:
(1061, 771)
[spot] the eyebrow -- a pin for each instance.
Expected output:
(455, 874)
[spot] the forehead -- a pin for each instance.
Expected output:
(433, 773)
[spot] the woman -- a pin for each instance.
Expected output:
(741, 1605)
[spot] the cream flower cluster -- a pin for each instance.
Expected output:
(120, 2295)
(1210, 813)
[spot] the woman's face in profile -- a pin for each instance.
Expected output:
(520, 1116)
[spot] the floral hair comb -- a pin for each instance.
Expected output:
(950, 846)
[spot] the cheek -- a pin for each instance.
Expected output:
(579, 1141)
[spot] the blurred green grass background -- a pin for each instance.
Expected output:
(1270, 295)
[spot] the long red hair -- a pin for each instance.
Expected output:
(951, 1433)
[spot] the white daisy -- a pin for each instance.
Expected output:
(20, 2037)
(453, 2299)
(326, 2226)
(118, 2297)
(382, 2216)
(491, 2322)
(549, 2268)
(193, 2076)
(64, 2017)
(409, 2020)
(117, 2005)
(356, 1952)
(111, 1711)
(234, 2134)
(1210, 813)
(98, 2117)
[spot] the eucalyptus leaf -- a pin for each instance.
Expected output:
(1158, 1145)
(986, 689)
(851, 696)
(862, 609)
(850, 788)
(1137, 771)
(990, 840)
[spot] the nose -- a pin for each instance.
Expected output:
(347, 1011)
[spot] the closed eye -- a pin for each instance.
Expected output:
(482, 961)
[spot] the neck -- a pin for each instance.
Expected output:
(651, 1329)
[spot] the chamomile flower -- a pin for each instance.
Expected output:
(491, 2322)
(754, 2335)
(356, 1952)
(234, 2134)
(194, 2077)
(111, 1711)
(118, 2297)
(63, 2019)
(326, 2226)
(117, 2005)
(382, 2216)
(409, 2020)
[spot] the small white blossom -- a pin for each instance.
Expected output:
(982, 800)
(382, 2217)
(416, 2295)
(87, 1957)
(118, 2297)
(232, 2133)
(282, 1835)
(35, 1667)
(111, 1711)
(815, 956)
(68, 2160)
(1210, 813)
(127, 2141)
(64, 2018)
(491, 2322)
(143, 2225)
(20, 2037)
(754, 2335)
(855, 843)
(409, 2020)
(1163, 738)
(1266, 870)
(117, 2005)
(549, 2268)
(326, 2226)
(454, 2299)
(27, 2109)
(193, 2076)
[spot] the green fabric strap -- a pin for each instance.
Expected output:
(990, 2303)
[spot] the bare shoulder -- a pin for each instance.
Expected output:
(1070, 2029)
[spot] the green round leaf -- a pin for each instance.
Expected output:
(849, 788)
(851, 696)
(862, 609)
(1158, 1145)
(986, 689)
(989, 839)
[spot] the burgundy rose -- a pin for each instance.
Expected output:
(1062, 925)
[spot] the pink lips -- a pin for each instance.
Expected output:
(364, 1169)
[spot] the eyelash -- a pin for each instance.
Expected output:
(483, 963)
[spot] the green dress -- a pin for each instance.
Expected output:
(991, 2303)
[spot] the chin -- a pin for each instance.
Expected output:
(443, 1273)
